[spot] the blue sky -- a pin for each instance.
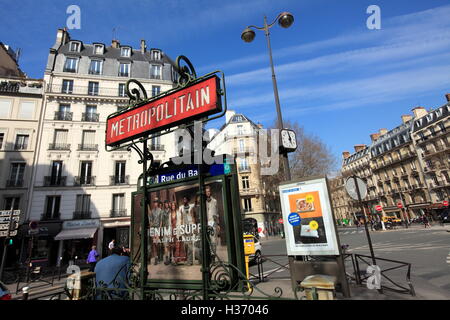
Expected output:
(337, 78)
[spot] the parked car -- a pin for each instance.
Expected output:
(254, 258)
(4, 292)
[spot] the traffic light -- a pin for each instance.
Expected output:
(10, 242)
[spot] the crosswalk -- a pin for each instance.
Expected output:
(391, 246)
(351, 232)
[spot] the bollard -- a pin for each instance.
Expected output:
(25, 293)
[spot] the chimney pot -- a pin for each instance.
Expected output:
(419, 112)
(448, 97)
(359, 147)
(374, 136)
(383, 131)
(406, 118)
(345, 154)
(115, 43)
(143, 46)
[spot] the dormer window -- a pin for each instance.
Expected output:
(156, 55)
(98, 49)
(125, 51)
(430, 117)
(74, 46)
(438, 113)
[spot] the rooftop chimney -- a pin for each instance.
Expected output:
(374, 136)
(448, 97)
(383, 131)
(259, 125)
(143, 46)
(419, 112)
(345, 154)
(115, 43)
(359, 147)
(406, 118)
(62, 36)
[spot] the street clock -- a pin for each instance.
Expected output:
(288, 141)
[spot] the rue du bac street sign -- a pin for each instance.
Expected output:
(198, 100)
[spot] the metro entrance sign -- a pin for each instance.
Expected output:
(445, 203)
(195, 101)
(378, 208)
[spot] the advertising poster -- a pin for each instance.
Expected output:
(174, 239)
(309, 225)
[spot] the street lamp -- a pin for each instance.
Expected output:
(285, 20)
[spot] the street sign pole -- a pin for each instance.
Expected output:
(5, 244)
(365, 220)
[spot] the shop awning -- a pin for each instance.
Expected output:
(68, 234)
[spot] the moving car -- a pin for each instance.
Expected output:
(254, 258)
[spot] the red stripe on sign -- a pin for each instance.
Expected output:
(184, 105)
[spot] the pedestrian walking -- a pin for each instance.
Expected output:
(92, 258)
(111, 245)
(426, 222)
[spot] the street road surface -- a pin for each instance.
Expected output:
(428, 250)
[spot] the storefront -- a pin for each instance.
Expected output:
(119, 230)
(419, 209)
(76, 239)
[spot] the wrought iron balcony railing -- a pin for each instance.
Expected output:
(84, 181)
(51, 181)
(84, 90)
(81, 215)
(50, 216)
(63, 115)
(87, 147)
(121, 179)
(14, 183)
(59, 146)
(20, 146)
(156, 147)
(118, 213)
(90, 117)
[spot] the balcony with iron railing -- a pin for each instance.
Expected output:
(245, 150)
(118, 213)
(82, 215)
(117, 180)
(63, 116)
(87, 147)
(248, 191)
(59, 146)
(84, 181)
(20, 146)
(156, 147)
(244, 169)
(14, 183)
(90, 117)
(50, 216)
(55, 181)
(84, 90)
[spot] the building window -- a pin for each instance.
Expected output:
(26, 109)
(118, 204)
(124, 70)
(432, 131)
(60, 140)
(52, 207)
(122, 92)
(91, 114)
(98, 49)
(88, 141)
(125, 52)
(82, 207)
(71, 65)
(21, 142)
(56, 173)
(245, 183)
(11, 203)
(2, 137)
(74, 47)
(248, 205)
(240, 129)
(155, 71)
(96, 67)
(441, 126)
(5, 108)
(156, 90)
(119, 172)
(16, 175)
(86, 173)
(93, 88)
(67, 86)
(156, 55)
